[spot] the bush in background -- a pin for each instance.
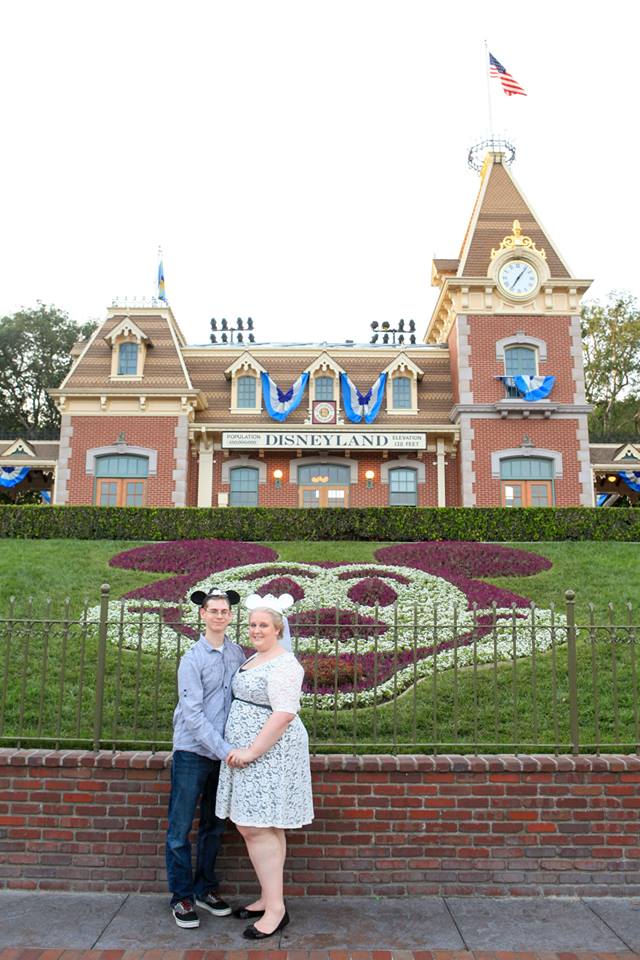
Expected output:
(496, 524)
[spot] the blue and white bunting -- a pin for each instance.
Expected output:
(12, 476)
(279, 405)
(632, 479)
(358, 406)
(534, 388)
(530, 388)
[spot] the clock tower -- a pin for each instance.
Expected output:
(509, 311)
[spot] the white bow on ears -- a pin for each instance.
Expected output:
(278, 604)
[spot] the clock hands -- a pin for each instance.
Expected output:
(515, 282)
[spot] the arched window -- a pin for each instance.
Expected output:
(246, 387)
(324, 388)
(127, 359)
(403, 487)
(243, 484)
(323, 473)
(121, 480)
(401, 395)
(520, 362)
(527, 481)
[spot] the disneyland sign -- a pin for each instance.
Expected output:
(245, 440)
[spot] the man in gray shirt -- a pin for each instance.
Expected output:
(204, 699)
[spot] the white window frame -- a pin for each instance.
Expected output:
(522, 346)
(244, 366)
(527, 452)
(521, 340)
(326, 375)
(324, 366)
(404, 466)
(127, 332)
(402, 366)
(230, 464)
(118, 450)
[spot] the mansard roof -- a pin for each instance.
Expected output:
(363, 364)
(164, 366)
(500, 201)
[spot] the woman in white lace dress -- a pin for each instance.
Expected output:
(265, 786)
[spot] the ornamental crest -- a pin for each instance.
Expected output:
(515, 241)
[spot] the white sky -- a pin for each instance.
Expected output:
(299, 162)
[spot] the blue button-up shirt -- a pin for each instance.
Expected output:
(204, 698)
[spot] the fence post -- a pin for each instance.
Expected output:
(100, 666)
(570, 598)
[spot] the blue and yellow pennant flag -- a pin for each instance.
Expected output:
(162, 295)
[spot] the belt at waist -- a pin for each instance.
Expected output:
(262, 706)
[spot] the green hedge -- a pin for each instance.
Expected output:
(375, 523)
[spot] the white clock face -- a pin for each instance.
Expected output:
(518, 278)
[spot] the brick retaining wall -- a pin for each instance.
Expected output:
(394, 826)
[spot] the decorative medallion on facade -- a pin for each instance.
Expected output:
(323, 411)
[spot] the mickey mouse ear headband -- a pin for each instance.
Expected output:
(269, 602)
(200, 597)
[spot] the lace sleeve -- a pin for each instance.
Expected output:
(285, 684)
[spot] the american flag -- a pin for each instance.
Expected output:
(509, 85)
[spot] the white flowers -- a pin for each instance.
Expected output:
(430, 612)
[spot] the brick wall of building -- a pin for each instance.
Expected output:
(394, 826)
(557, 435)
(155, 433)
(485, 331)
(359, 494)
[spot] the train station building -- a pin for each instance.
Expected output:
(483, 406)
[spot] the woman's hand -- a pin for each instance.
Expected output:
(240, 757)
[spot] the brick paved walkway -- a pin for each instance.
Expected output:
(12, 953)
(75, 926)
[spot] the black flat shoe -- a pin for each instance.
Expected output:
(251, 933)
(243, 913)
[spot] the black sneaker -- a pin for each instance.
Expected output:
(214, 904)
(185, 915)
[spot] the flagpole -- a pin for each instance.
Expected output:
(486, 73)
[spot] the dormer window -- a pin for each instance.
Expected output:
(246, 387)
(129, 345)
(246, 392)
(402, 385)
(401, 393)
(127, 359)
(324, 388)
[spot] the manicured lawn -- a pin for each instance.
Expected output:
(340, 551)
(48, 678)
(598, 573)
(58, 569)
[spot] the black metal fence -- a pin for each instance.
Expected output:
(480, 681)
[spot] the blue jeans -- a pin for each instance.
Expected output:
(192, 777)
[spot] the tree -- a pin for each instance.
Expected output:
(35, 350)
(623, 421)
(611, 342)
